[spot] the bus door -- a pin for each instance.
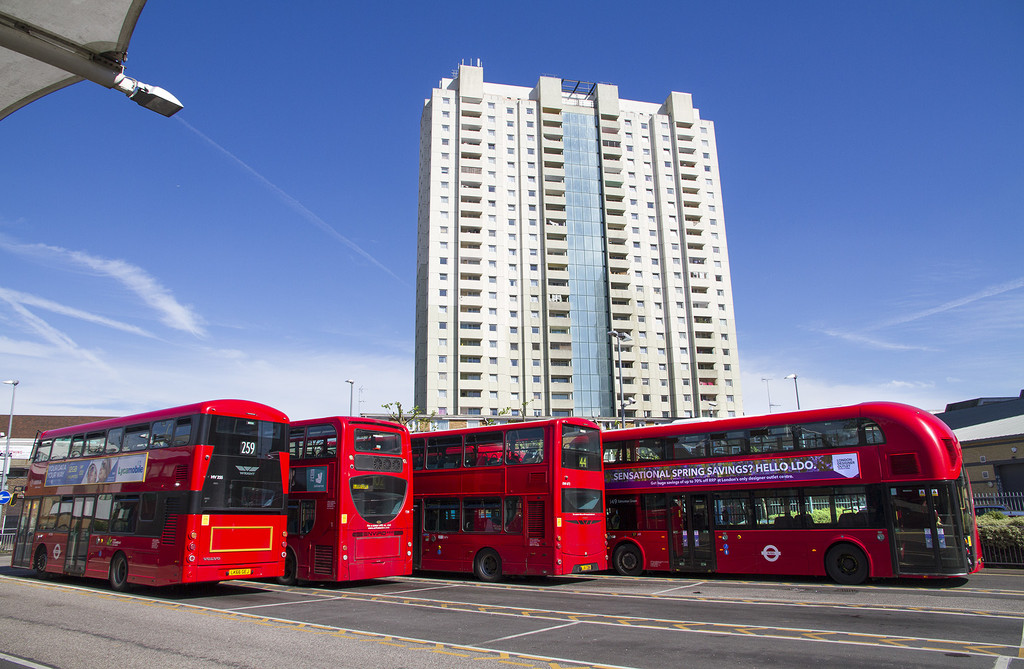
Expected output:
(690, 533)
(928, 539)
(26, 533)
(417, 533)
(78, 535)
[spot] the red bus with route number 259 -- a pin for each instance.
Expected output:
(869, 491)
(184, 495)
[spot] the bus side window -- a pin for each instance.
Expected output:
(136, 438)
(48, 514)
(125, 514)
(182, 432)
(95, 443)
(525, 446)
(160, 435)
(296, 441)
(418, 446)
(514, 515)
(114, 438)
(42, 453)
(60, 448)
(101, 522)
(77, 446)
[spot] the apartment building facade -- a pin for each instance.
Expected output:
(571, 255)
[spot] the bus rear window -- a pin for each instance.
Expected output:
(368, 441)
(378, 499)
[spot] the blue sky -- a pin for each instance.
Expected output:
(261, 243)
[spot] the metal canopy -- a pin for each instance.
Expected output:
(45, 46)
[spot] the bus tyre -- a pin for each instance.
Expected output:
(487, 565)
(119, 573)
(39, 563)
(290, 570)
(628, 561)
(846, 564)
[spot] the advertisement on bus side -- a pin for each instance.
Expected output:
(116, 469)
(770, 470)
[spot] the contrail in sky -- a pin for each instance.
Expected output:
(293, 203)
(991, 291)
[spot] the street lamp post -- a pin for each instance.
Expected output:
(351, 389)
(7, 450)
(619, 338)
(795, 390)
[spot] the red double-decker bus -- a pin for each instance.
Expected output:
(868, 491)
(350, 505)
(519, 498)
(183, 495)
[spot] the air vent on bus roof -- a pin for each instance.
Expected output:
(904, 464)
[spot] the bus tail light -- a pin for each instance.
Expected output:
(191, 558)
(192, 545)
(193, 535)
(284, 554)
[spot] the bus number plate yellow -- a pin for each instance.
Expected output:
(239, 572)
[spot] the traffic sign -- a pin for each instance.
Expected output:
(4, 497)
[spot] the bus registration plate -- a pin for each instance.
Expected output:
(239, 572)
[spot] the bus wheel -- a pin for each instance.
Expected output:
(487, 565)
(846, 564)
(290, 569)
(627, 560)
(119, 573)
(39, 563)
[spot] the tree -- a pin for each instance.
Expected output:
(397, 414)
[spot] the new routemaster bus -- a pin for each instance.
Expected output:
(519, 498)
(873, 490)
(183, 495)
(350, 501)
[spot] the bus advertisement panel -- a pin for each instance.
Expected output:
(874, 490)
(350, 506)
(519, 498)
(183, 495)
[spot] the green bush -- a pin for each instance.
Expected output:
(999, 531)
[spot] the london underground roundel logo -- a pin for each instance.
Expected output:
(771, 553)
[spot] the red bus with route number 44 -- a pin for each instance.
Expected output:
(869, 491)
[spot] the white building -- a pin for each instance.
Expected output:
(550, 217)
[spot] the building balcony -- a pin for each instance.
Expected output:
(553, 201)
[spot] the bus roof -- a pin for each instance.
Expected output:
(903, 413)
(225, 407)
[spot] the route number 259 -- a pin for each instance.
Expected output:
(247, 448)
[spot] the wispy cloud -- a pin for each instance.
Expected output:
(172, 313)
(52, 335)
(13, 297)
(292, 202)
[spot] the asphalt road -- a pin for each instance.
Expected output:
(600, 621)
